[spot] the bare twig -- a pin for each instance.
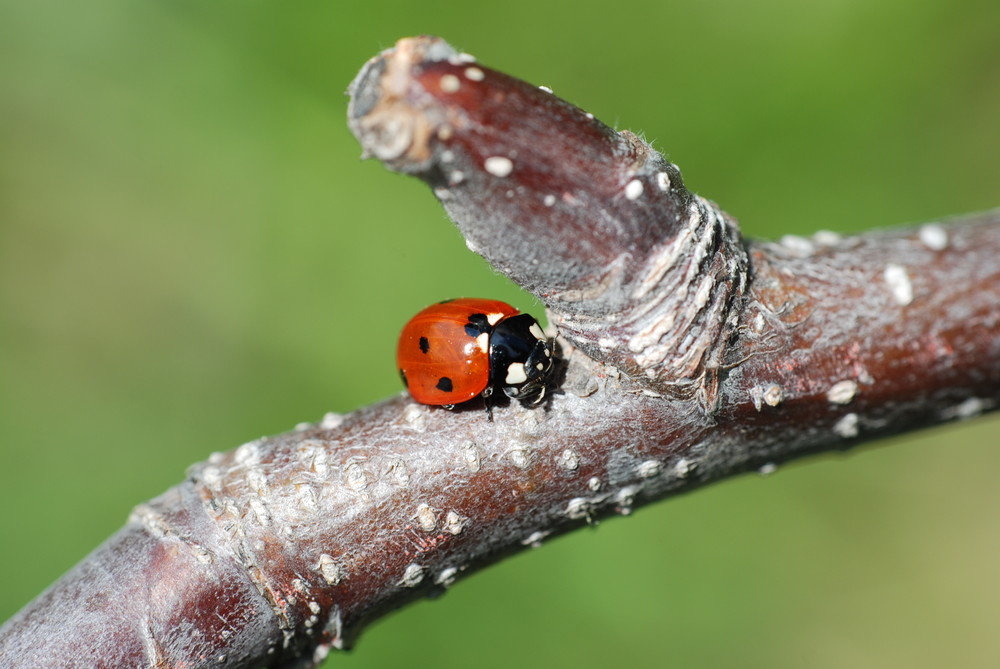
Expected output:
(688, 356)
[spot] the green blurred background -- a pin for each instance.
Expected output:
(192, 255)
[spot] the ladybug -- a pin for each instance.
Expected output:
(456, 350)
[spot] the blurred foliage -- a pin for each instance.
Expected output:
(192, 255)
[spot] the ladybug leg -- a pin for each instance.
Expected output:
(449, 407)
(540, 396)
(487, 395)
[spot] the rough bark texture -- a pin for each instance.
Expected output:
(687, 356)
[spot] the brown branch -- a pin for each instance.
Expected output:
(689, 356)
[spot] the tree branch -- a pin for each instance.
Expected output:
(688, 356)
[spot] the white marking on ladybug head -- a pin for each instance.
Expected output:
(474, 73)
(536, 331)
(450, 83)
(539, 366)
(483, 342)
(493, 319)
(515, 374)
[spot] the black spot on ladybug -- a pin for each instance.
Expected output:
(477, 325)
(402, 375)
(444, 384)
(424, 345)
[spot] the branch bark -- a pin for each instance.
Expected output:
(688, 355)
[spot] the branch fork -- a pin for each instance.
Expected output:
(637, 271)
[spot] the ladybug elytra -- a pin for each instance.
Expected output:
(456, 350)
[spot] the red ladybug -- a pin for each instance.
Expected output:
(456, 350)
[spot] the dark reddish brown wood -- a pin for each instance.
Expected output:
(689, 356)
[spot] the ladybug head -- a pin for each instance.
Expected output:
(521, 358)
